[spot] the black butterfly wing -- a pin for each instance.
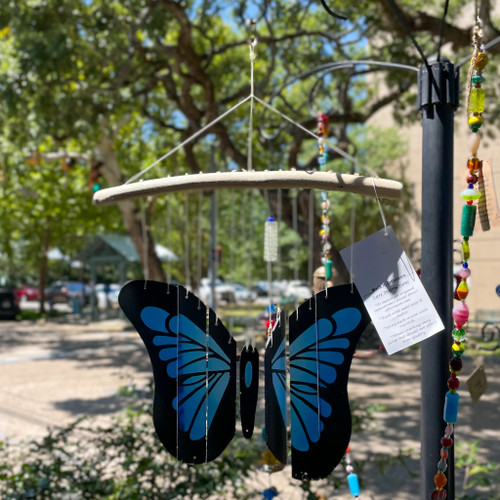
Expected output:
(275, 389)
(194, 368)
(323, 336)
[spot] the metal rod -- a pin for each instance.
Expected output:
(438, 99)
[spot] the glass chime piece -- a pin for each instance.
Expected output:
(474, 163)
(482, 60)
(439, 495)
(460, 314)
(453, 383)
(464, 272)
(450, 412)
(468, 220)
(465, 250)
(470, 194)
(476, 100)
(475, 122)
(477, 79)
(353, 482)
(462, 290)
(458, 334)
(474, 141)
(440, 480)
(455, 365)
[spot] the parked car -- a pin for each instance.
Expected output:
(242, 293)
(223, 291)
(8, 304)
(62, 292)
(26, 292)
(298, 289)
(107, 295)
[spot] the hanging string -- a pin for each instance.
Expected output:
(296, 231)
(310, 237)
(353, 239)
(381, 210)
(168, 240)
(187, 268)
(200, 241)
(278, 218)
(252, 43)
(145, 249)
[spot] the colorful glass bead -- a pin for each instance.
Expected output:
(465, 250)
(464, 272)
(458, 334)
(475, 122)
(470, 194)
(455, 365)
(476, 100)
(444, 453)
(474, 141)
(468, 220)
(458, 348)
(482, 60)
(450, 411)
(462, 290)
(439, 495)
(453, 383)
(477, 79)
(352, 480)
(446, 442)
(474, 163)
(440, 480)
(442, 466)
(460, 314)
(472, 179)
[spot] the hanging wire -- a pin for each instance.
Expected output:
(441, 29)
(310, 238)
(399, 16)
(145, 249)
(332, 13)
(187, 268)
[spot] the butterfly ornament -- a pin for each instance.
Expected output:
(195, 368)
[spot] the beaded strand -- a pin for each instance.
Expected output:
(326, 256)
(352, 478)
(475, 108)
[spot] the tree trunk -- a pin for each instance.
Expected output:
(131, 215)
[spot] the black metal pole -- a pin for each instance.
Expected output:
(438, 99)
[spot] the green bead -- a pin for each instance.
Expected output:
(458, 334)
(470, 194)
(468, 220)
(328, 269)
(477, 79)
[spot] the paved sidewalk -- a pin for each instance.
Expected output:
(53, 373)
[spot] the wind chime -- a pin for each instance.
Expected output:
(193, 355)
(475, 108)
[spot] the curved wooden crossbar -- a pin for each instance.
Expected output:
(275, 179)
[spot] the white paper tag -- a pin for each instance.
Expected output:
(394, 296)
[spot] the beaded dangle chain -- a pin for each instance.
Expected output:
(475, 108)
(326, 258)
(326, 248)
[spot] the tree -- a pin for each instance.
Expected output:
(128, 80)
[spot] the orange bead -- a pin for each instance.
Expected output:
(462, 290)
(440, 480)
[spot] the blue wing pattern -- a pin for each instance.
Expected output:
(193, 365)
(322, 343)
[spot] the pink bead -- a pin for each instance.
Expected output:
(464, 272)
(460, 314)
